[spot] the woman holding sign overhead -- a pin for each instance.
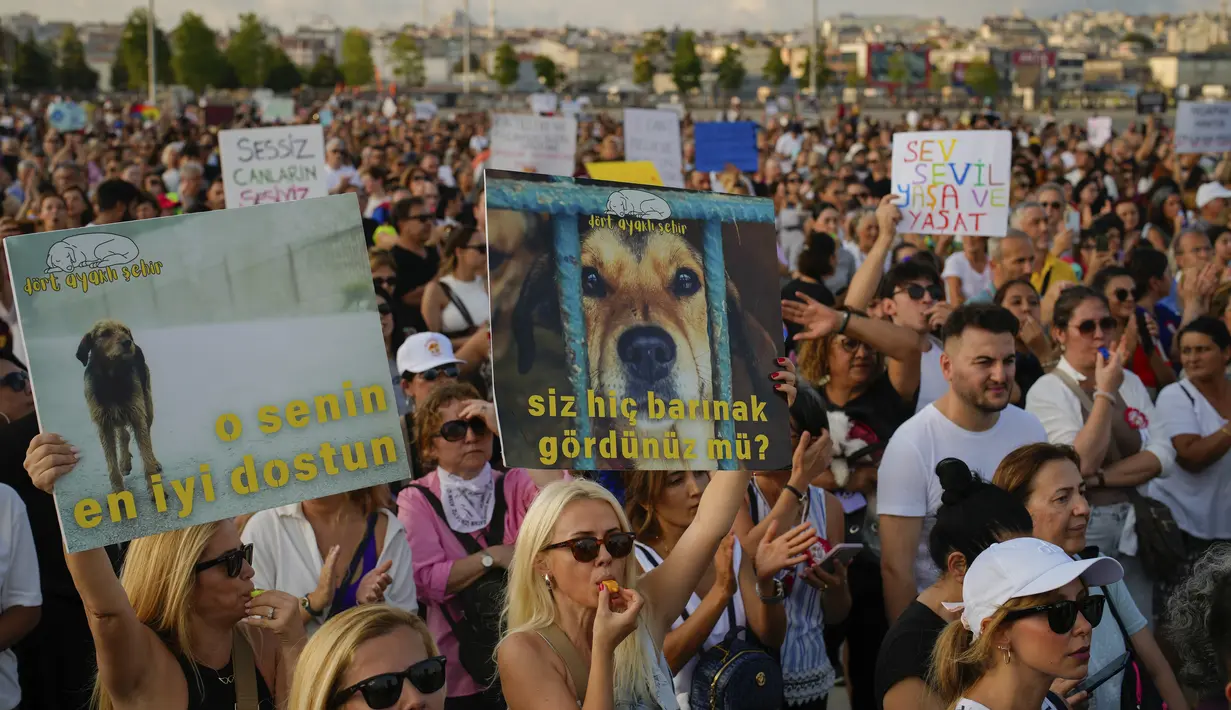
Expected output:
(183, 627)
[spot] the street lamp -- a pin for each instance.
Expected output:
(150, 58)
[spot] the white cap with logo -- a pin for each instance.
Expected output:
(424, 351)
(1024, 567)
(1211, 191)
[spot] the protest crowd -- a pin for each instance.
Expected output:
(1010, 483)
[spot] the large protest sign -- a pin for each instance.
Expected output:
(277, 164)
(197, 318)
(655, 136)
(953, 182)
(541, 144)
(634, 327)
(1203, 127)
(66, 116)
(720, 144)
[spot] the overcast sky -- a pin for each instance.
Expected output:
(753, 15)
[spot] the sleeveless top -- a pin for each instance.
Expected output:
(649, 559)
(806, 672)
(472, 295)
(347, 598)
(210, 689)
(660, 671)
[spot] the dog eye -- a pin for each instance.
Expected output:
(686, 282)
(592, 283)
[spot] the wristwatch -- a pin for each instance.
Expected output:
(487, 561)
(307, 606)
(779, 593)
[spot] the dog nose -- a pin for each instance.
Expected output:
(647, 352)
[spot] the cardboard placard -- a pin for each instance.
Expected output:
(723, 143)
(539, 144)
(190, 317)
(953, 182)
(655, 136)
(275, 164)
(641, 172)
(1203, 127)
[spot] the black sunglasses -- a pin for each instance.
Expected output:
(1121, 294)
(1087, 327)
(852, 345)
(443, 370)
(384, 690)
(384, 281)
(1062, 615)
(16, 381)
(916, 292)
(1052, 205)
(384, 309)
(585, 549)
(455, 430)
(233, 559)
(422, 217)
(481, 248)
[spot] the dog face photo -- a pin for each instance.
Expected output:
(119, 397)
(644, 306)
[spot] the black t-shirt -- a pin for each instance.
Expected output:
(413, 271)
(879, 188)
(879, 407)
(1029, 370)
(906, 651)
(817, 291)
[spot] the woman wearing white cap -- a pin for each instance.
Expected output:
(1026, 621)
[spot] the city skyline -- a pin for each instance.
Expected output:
(629, 15)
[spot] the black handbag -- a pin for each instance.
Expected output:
(478, 628)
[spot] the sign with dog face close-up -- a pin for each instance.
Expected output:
(634, 327)
(252, 333)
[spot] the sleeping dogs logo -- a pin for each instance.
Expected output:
(88, 259)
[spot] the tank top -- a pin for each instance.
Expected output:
(806, 672)
(210, 689)
(346, 599)
(472, 295)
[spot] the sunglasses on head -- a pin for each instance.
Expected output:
(585, 549)
(384, 690)
(233, 559)
(916, 292)
(455, 430)
(1087, 327)
(1061, 616)
(16, 381)
(442, 371)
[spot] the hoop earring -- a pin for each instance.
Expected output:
(1008, 655)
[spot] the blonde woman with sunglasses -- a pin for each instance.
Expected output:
(183, 626)
(374, 657)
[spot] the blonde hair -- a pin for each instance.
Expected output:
(529, 603)
(959, 660)
(330, 651)
(158, 578)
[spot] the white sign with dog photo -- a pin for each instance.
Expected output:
(160, 349)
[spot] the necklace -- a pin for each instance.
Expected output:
(224, 679)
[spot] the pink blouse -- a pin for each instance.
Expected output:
(434, 548)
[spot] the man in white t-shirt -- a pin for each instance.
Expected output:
(973, 422)
(21, 597)
(338, 168)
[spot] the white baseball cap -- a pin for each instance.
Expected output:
(1211, 191)
(1024, 567)
(424, 351)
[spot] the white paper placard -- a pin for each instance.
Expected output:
(1202, 127)
(276, 164)
(544, 103)
(425, 110)
(655, 136)
(1098, 130)
(277, 109)
(953, 182)
(541, 144)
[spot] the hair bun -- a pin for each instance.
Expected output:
(957, 480)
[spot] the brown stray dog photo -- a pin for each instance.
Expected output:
(117, 391)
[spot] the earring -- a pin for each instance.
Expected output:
(547, 579)
(1008, 654)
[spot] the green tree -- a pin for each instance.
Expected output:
(686, 68)
(356, 64)
(826, 74)
(731, 71)
(73, 73)
(643, 69)
(982, 78)
(654, 43)
(899, 71)
(476, 64)
(134, 49)
(33, 65)
(195, 57)
(775, 71)
(548, 73)
(325, 74)
(854, 81)
(283, 74)
(248, 52)
(938, 80)
(119, 73)
(506, 66)
(1146, 44)
(407, 60)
